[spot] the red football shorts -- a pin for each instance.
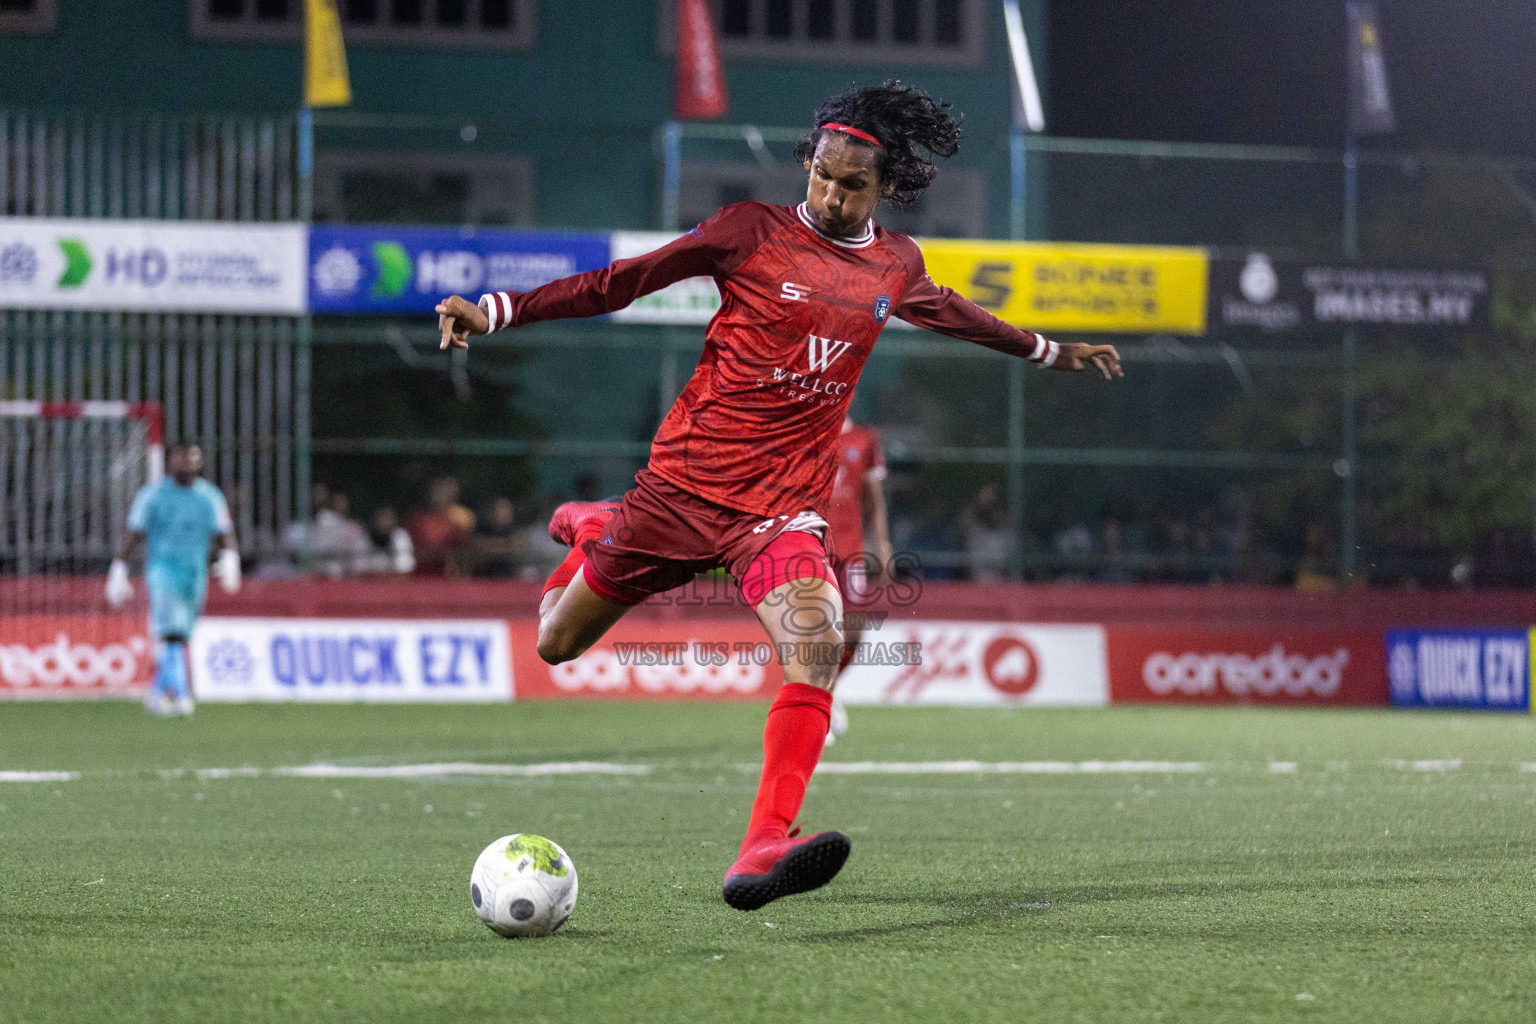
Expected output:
(663, 536)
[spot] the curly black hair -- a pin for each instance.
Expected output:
(906, 120)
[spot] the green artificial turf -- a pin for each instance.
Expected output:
(1357, 887)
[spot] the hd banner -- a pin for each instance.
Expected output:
(407, 270)
(1257, 293)
(1087, 288)
(158, 266)
(1460, 668)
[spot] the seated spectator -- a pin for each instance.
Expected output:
(1313, 572)
(498, 544)
(988, 540)
(337, 544)
(391, 544)
(439, 531)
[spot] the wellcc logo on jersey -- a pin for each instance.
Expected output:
(804, 387)
(823, 352)
(351, 660)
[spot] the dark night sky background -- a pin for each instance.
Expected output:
(1462, 72)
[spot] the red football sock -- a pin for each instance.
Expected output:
(792, 742)
(588, 528)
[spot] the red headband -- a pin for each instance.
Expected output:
(834, 126)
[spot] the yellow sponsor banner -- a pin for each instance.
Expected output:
(325, 57)
(1090, 288)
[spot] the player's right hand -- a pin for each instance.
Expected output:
(119, 590)
(457, 319)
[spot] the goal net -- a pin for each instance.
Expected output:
(68, 474)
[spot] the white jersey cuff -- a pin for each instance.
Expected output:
(498, 309)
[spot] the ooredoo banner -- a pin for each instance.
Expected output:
(237, 659)
(43, 656)
(653, 661)
(1253, 667)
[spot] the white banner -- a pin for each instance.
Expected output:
(380, 660)
(978, 664)
(692, 301)
(170, 266)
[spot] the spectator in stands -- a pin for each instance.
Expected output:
(988, 540)
(1074, 546)
(1117, 563)
(440, 531)
(541, 553)
(1313, 572)
(939, 547)
(498, 544)
(391, 549)
(337, 544)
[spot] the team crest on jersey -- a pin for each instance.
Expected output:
(882, 308)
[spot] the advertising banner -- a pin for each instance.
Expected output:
(1276, 296)
(1249, 667)
(169, 266)
(43, 656)
(407, 270)
(1460, 668)
(237, 659)
(933, 663)
(1090, 288)
(978, 664)
(692, 301)
(654, 661)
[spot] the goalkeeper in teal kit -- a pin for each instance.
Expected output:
(178, 518)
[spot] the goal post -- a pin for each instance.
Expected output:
(69, 472)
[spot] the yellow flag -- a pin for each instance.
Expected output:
(325, 57)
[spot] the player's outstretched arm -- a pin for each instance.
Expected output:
(944, 310)
(457, 319)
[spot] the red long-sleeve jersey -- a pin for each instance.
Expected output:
(757, 426)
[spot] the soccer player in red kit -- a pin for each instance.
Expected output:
(857, 486)
(742, 465)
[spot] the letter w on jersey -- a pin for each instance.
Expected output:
(824, 351)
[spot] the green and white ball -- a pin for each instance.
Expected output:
(523, 886)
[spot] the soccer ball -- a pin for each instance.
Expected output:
(523, 886)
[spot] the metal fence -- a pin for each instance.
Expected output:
(235, 385)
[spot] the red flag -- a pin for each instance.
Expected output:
(700, 86)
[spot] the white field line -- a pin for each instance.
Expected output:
(1003, 767)
(1284, 767)
(1426, 766)
(338, 771)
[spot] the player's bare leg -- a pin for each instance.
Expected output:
(802, 619)
(571, 617)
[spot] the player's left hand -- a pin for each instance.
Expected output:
(1075, 355)
(229, 570)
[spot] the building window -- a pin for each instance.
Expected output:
(955, 205)
(358, 187)
(912, 31)
(485, 24)
(26, 15)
